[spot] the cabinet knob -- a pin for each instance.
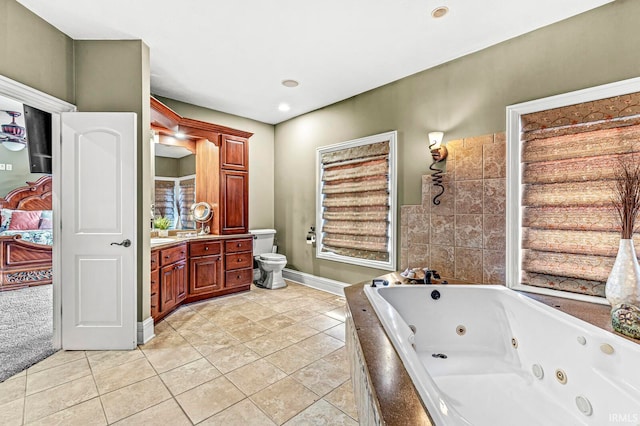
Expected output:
(206, 248)
(239, 260)
(239, 276)
(167, 257)
(239, 244)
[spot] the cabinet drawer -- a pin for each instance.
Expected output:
(155, 256)
(232, 246)
(204, 248)
(173, 254)
(239, 260)
(238, 277)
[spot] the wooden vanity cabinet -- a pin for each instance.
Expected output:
(234, 209)
(155, 283)
(238, 262)
(199, 269)
(234, 153)
(206, 275)
(173, 278)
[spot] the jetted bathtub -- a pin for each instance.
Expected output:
(487, 355)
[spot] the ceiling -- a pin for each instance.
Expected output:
(232, 56)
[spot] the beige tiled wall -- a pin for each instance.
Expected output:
(464, 236)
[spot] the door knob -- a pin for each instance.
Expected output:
(125, 243)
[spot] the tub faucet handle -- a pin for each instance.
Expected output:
(427, 276)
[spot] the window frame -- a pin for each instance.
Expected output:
(391, 264)
(513, 269)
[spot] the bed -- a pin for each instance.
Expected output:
(26, 245)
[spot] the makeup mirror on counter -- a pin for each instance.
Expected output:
(202, 213)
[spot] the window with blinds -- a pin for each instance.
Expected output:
(569, 230)
(186, 198)
(165, 200)
(356, 201)
(173, 199)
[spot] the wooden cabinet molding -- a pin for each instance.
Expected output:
(163, 116)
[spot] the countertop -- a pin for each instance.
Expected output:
(398, 399)
(176, 239)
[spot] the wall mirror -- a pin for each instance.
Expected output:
(175, 181)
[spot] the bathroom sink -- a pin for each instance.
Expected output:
(161, 240)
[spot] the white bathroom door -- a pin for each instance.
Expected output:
(98, 230)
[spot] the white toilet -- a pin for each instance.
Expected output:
(270, 265)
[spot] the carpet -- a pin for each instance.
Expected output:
(26, 328)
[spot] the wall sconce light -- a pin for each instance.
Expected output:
(438, 153)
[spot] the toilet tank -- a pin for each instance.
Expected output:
(262, 240)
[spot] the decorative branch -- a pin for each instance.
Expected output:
(626, 194)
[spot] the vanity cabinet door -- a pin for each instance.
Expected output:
(173, 285)
(180, 269)
(168, 298)
(206, 275)
(234, 214)
(234, 153)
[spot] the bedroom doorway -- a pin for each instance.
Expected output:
(123, 282)
(30, 289)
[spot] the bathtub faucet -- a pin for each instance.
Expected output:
(428, 274)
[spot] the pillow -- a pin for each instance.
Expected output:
(6, 219)
(22, 220)
(46, 223)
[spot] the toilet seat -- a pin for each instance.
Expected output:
(273, 257)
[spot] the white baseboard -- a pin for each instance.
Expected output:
(145, 331)
(324, 284)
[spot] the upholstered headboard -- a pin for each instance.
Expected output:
(35, 196)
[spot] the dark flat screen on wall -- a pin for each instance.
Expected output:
(39, 141)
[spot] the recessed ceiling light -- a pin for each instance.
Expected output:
(439, 12)
(290, 83)
(180, 135)
(284, 107)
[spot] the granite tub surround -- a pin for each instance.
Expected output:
(464, 236)
(255, 358)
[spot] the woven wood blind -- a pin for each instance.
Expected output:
(356, 201)
(186, 198)
(570, 232)
(165, 199)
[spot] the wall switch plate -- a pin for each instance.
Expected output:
(2, 166)
(9, 167)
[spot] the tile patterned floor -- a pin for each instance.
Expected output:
(264, 357)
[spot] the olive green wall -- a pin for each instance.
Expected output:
(113, 75)
(175, 167)
(261, 157)
(34, 52)
(19, 175)
(465, 97)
